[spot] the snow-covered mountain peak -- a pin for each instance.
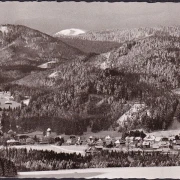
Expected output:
(70, 32)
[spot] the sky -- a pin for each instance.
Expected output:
(51, 17)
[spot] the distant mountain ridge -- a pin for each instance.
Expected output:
(124, 35)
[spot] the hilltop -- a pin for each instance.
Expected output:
(23, 49)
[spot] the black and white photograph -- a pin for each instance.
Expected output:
(89, 90)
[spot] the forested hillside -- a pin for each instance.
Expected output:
(95, 90)
(22, 49)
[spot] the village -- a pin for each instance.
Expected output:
(132, 141)
(90, 145)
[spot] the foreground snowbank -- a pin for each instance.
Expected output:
(142, 172)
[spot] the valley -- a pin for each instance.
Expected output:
(89, 90)
(94, 79)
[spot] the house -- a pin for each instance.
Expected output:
(148, 141)
(123, 142)
(30, 141)
(138, 142)
(161, 142)
(59, 140)
(72, 140)
(79, 141)
(171, 138)
(99, 142)
(164, 142)
(107, 137)
(117, 143)
(178, 142)
(46, 140)
(8, 102)
(12, 142)
(90, 141)
(138, 139)
(22, 138)
(127, 139)
(108, 141)
(157, 141)
(131, 139)
(11, 98)
(48, 132)
(69, 141)
(43, 140)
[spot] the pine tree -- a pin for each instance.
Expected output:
(6, 168)
(1, 168)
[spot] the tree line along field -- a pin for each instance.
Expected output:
(57, 149)
(38, 160)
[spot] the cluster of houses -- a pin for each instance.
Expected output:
(148, 142)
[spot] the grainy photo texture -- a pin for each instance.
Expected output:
(89, 90)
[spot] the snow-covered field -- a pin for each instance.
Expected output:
(58, 149)
(167, 133)
(53, 75)
(7, 101)
(130, 172)
(45, 65)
